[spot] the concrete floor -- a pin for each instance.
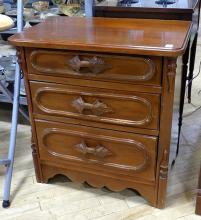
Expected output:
(63, 200)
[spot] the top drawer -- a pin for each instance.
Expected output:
(126, 69)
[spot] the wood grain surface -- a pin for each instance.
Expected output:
(150, 37)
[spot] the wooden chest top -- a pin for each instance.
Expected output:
(131, 36)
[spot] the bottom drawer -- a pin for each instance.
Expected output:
(97, 150)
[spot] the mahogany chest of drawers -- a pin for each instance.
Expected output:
(100, 95)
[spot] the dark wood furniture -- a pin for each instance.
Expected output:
(100, 99)
(181, 10)
(198, 199)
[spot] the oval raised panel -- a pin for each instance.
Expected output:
(128, 154)
(66, 150)
(130, 110)
(120, 68)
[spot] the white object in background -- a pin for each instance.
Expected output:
(5, 22)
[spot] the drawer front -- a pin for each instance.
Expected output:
(107, 106)
(126, 69)
(97, 149)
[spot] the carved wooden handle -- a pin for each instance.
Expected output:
(99, 150)
(95, 65)
(97, 108)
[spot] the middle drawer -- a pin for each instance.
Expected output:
(99, 105)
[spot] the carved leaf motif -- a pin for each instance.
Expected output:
(99, 150)
(95, 65)
(164, 165)
(171, 73)
(97, 108)
(78, 104)
(74, 63)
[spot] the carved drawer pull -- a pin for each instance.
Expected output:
(99, 150)
(97, 108)
(95, 65)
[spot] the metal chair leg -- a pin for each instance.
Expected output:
(10, 160)
(11, 153)
(88, 8)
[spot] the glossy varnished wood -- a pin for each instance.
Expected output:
(112, 132)
(165, 127)
(142, 109)
(128, 69)
(152, 37)
(128, 154)
(97, 83)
